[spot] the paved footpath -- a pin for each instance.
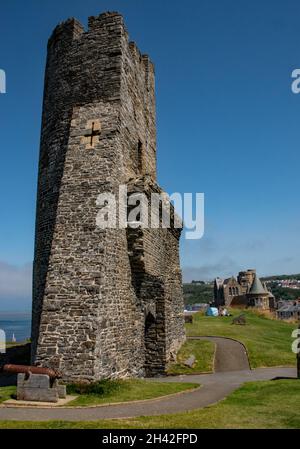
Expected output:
(214, 387)
(230, 355)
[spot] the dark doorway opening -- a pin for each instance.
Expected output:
(140, 152)
(150, 344)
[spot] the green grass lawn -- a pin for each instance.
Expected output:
(264, 405)
(126, 390)
(116, 391)
(7, 393)
(11, 344)
(268, 341)
(268, 404)
(204, 353)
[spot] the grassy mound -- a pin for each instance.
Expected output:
(204, 353)
(268, 341)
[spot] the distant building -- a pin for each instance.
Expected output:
(289, 311)
(196, 307)
(285, 302)
(247, 290)
(259, 296)
(245, 279)
(226, 290)
(200, 306)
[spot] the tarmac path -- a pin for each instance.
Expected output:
(231, 371)
(230, 355)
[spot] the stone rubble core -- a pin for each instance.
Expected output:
(107, 303)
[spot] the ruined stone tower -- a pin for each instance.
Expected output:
(106, 303)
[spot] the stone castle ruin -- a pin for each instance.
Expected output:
(106, 302)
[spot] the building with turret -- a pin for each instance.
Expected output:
(246, 290)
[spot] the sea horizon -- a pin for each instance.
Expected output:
(16, 325)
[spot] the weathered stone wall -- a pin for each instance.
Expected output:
(91, 317)
(155, 266)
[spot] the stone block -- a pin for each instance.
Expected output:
(37, 394)
(241, 320)
(190, 361)
(36, 387)
(33, 381)
(62, 391)
(188, 319)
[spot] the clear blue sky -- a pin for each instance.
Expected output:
(228, 125)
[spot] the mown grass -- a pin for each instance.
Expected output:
(108, 391)
(7, 393)
(268, 341)
(204, 353)
(262, 405)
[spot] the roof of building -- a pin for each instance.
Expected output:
(289, 308)
(226, 281)
(219, 282)
(268, 291)
(257, 287)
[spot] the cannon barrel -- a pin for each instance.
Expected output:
(24, 369)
